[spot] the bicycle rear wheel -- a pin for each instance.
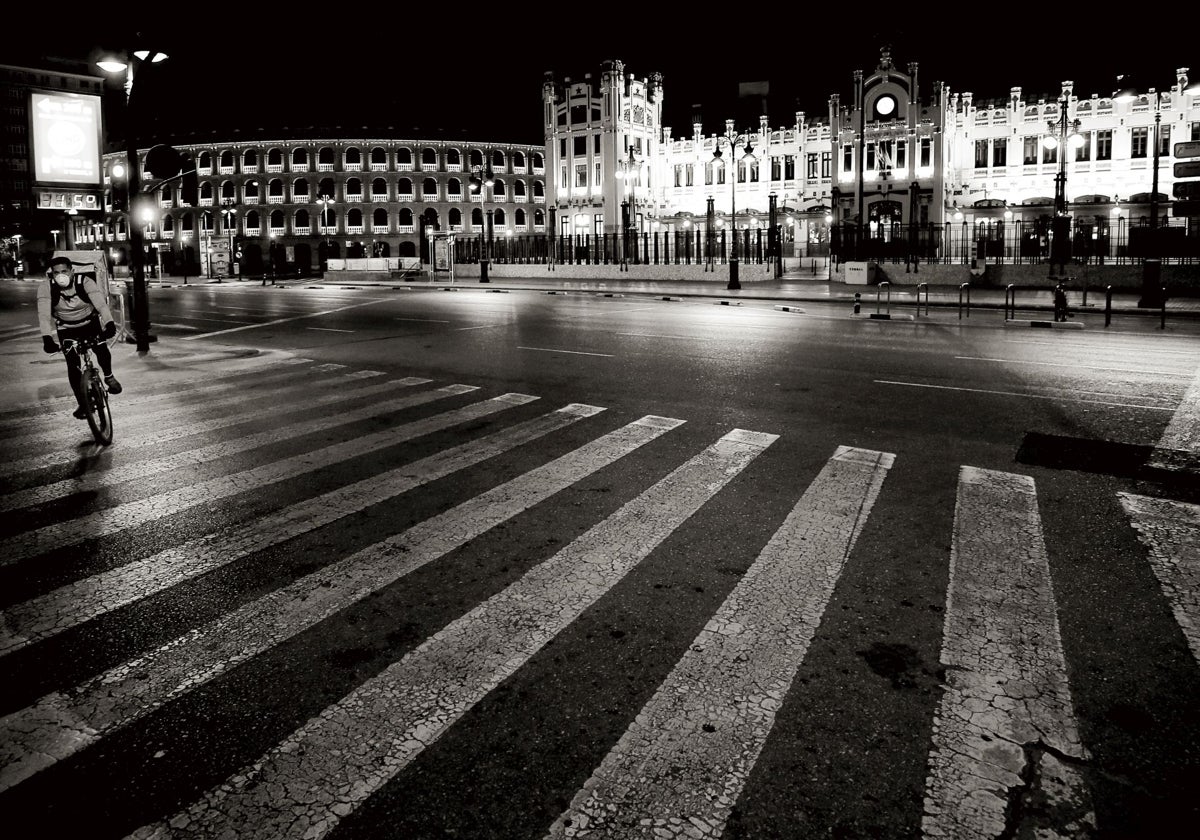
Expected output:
(95, 402)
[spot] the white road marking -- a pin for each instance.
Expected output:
(1179, 445)
(1056, 397)
(278, 321)
(573, 352)
(1072, 365)
(328, 329)
(300, 787)
(693, 745)
(131, 514)
(1170, 530)
(300, 423)
(62, 723)
(424, 320)
(1005, 730)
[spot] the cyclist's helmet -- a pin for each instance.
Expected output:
(61, 272)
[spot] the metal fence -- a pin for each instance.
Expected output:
(1001, 242)
(683, 247)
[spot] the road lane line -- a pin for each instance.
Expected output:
(299, 787)
(131, 514)
(61, 723)
(693, 745)
(574, 352)
(277, 321)
(1005, 732)
(1179, 446)
(329, 329)
(1170, 530)
(1057, 397)
(1071, 365)
(294, 422)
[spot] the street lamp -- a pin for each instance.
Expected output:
(326, 203)
(229, 224)
(629, 169)
(20, 267)
(1060, 247)
(482, 178)
(55, 234)
(1151, 297)
(733, 140)
(141, 303)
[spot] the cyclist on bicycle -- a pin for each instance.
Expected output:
(75, 308)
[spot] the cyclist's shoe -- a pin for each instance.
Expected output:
(114, 387)
(79, 413)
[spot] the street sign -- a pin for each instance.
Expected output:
(1185, 208)
(1186, 189)
(1187, 169)
(1187, 149)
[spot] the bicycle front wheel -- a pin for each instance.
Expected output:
(95, 401)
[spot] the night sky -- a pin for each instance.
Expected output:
(402, 78)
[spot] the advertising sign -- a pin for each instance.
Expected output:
(1187, 149)
(1187, 169)
(65, 129)
(441, 253)
(218, 261)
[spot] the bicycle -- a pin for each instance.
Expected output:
(93, 391)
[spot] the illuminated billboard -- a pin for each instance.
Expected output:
(66, 129)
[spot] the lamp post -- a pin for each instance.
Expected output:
(325, 203)
(733, 140)
(141, 305)
(20, 268)
(629, 169)
(229, 224)
(1060, 246)
(482, 178)
(55, 234)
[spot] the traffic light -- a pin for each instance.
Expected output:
(120, 188)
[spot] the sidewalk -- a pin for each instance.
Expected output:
(791, 288)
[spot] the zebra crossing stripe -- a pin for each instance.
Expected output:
(203, 454)
(62, 723)
(209, 382)
(1179, 446)
(300, 787)
(152, 411)
(132, 514)
(694, 743)
(1171, 531)
(74, 603)
(1005, 732)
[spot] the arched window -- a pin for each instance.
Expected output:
(378, 157)
(538, 160)
(252, 222)
(455, 217)
(275, 158)
(275, 190)
(404, 157)
(300, 189)
(539, 189)
(206, 191)
(453, 157)
(327, 188)
(227, 158)
(454, 189)
(477, 217)
(404, 189)
(518, 159)
(498, 190)
(325, 158)
(539, 219)
(519, 189)
(303, 222)
(519, 217)
(228, 191)
(379, 217)
(406, 217)
(250, 190)
(168, 224)
(497, 160)
(498, 218)
(476, 159)
(353, 189)
(250, 160)
(204, 160)
(429, 157)
(429, 189)
(354, 218)
(300, 158)
(277, 219)
(379, 189)
(353, 156)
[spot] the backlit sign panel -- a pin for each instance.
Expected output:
(66, 130)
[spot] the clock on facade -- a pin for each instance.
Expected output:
(885, 105)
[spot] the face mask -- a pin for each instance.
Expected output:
(64, 281)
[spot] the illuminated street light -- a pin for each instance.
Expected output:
(733, 140)
(141, 304)
(483, 179)
(1061, 226)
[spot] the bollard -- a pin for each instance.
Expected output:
(966, 286)
(1010, 301)
(857, 303)
(1107, 305)
(1162, 295)
(878, 288)
(924, 286)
